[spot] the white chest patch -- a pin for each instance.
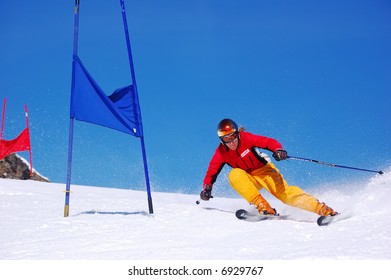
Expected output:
(245, 153)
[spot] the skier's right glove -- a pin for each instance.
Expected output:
(206, 194)
(280, 154)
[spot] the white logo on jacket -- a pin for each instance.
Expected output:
(245, 153)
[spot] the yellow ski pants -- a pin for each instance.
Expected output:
(248, 185)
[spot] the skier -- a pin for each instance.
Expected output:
(253, 170)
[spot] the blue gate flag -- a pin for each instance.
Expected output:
(119, 111)
(89, 103)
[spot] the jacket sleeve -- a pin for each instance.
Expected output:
(216, 164)
(264, 142)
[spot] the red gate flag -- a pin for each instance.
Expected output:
(20, 143)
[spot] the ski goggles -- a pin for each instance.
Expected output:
(229, 138)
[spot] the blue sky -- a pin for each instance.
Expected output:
(315, 75)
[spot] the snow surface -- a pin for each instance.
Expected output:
(114, 224)
(108, 223)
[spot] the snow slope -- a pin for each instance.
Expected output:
(107, 223)
(113, 224)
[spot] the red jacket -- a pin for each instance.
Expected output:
(245, 156)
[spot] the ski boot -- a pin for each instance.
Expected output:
(323, 210)
(263, 206)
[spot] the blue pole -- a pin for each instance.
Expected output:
(69, 168)
(135, 92)
(72, 118)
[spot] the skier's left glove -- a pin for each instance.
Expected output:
(206, 194)
(280, 154)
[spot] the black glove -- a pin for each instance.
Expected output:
(280, 155)
(206, 194)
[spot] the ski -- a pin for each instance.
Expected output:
(325, 220)
(245, 215)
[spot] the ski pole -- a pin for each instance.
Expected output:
(333, 165)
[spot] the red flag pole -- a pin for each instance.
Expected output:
(2, 119)
(28, 129)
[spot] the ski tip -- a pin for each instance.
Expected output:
(325, 220)
(320, 221)
(241, 214)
